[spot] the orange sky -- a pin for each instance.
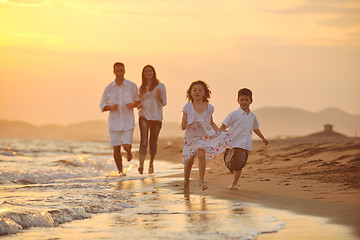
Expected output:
(56, 56)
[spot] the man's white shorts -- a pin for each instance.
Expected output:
(118, 138)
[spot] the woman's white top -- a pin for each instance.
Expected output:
(191, 113)
(152, 108)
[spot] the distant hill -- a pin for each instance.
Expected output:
(88, 130)
(275, 122)
(280, 122)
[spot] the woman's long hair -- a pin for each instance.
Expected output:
(154, 83)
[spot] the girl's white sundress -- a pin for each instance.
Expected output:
(200, 134)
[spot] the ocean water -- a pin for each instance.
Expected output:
(66, 189)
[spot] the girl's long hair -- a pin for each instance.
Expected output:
(154, 83)
(206, 90)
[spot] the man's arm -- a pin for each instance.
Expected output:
(111, 108)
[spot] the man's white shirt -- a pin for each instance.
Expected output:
(123, 118)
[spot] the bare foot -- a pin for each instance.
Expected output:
(129, 156)
(233, 187)
(151, 169)
(203, 186)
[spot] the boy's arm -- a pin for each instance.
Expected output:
(184, 121)
(258, 132)
(214, 126)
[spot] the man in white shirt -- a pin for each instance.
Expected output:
(119, 98)
(241, 124)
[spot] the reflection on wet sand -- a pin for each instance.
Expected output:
(163, 213)
(198, 217)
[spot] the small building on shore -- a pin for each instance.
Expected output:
(327, 133)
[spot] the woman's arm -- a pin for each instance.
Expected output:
(158, 95)
(161, 94)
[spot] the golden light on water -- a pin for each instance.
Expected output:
(80, 158)
(126, 170)
(3, 210)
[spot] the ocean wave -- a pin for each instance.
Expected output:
(80, 161)
(25, 177)
(78, 167)
(12, 221)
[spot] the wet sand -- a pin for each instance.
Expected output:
(152, 210)
(313, 177)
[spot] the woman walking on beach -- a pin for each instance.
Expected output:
(203, 138)
(152, 95)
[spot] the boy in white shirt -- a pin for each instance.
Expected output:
(119, 98)
(241, 123)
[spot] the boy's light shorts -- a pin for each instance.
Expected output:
(118, 138)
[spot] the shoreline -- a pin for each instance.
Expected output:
(278, 177)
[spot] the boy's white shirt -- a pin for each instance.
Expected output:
(241, 127)
(122, 119)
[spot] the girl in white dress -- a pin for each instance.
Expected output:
(203, 139)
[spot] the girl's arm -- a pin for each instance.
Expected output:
(223, 128)
(184, 121)
(258, 132)
(214, 126)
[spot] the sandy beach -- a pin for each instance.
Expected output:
(307, 176)
(290, 189)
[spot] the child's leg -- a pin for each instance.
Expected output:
(202, 167)
(187, 171)
(237, 175)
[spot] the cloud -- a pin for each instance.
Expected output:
(36, 39)
(25, 3)
(341, 21)
(336, 13)
(242, 41)
(143, 8)
(323, 6)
